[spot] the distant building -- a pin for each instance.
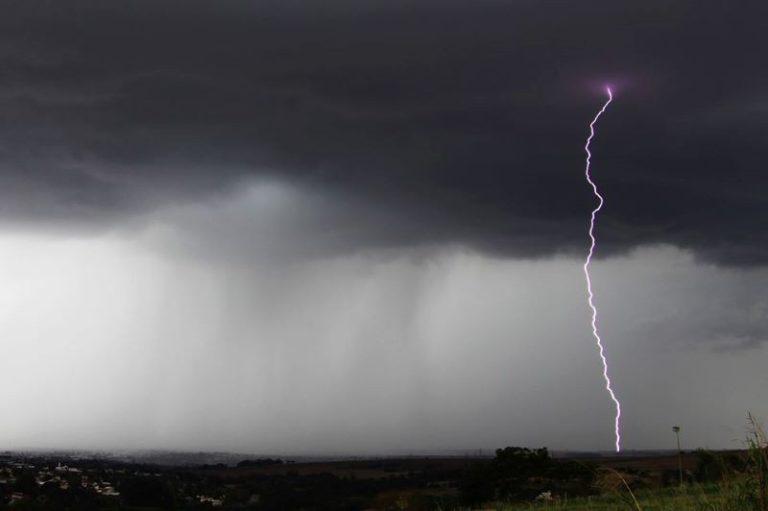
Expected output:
(214, 502)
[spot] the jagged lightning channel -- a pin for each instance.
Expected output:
(590, 294)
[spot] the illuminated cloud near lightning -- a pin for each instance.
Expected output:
(590, 294)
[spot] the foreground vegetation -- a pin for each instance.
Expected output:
(710, 497)
(719, 483)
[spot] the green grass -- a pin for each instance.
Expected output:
(695, 498)
(733, 495)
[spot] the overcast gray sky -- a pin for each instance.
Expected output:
(341, 227)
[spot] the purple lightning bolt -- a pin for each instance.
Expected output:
(591, 295)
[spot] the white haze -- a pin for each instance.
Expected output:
(217, 326)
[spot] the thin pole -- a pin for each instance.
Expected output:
(676, 429)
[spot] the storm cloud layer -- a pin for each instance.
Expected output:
(358, 226)
(431, 122)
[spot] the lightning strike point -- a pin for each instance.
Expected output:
(588, 261)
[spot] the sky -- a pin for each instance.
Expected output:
(358, 227)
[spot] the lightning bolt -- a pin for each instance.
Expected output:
(590, 294)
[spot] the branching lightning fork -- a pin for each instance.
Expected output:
(590, 294)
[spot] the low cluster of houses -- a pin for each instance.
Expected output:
(61, 476)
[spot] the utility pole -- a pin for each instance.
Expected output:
(676, 429)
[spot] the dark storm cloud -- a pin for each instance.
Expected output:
(460, 121)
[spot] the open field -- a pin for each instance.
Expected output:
(711, 497)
